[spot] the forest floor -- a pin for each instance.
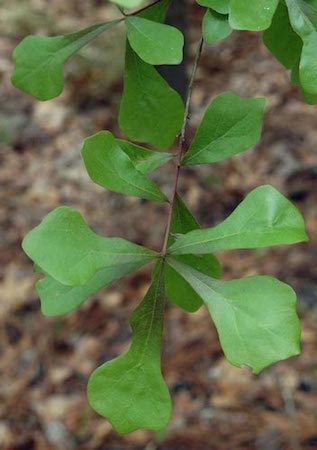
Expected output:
(45, 362)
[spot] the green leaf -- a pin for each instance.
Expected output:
(303, 18)
(221, 6)
(39, 60)
(255, 317)
(57, 298)
(215, 27)
(155, 43)
(312, 3)
(144, 160)
(182, 219)
(264, 218)
(230, 125)
(178, 290)
(130, 391)
(311, 99)
(286, 46)
(67, 250)
(110, 167)
(128, 4)
(251, 15)
(281, 39)
(156, 12)
(150, 110)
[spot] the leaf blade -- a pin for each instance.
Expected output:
(231, 124)
(220, 6)
(255, 317)
(281, 39)
(215, 27)
(39, 60)
(70, 252)
(128, 4)
(110, 167)
(58, 299)
(178, 290)
(264, 218)
(129, 391)
(155, 43)
(303, 18)
(255, 16)
(150, 110)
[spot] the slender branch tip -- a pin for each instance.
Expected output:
(181, 149)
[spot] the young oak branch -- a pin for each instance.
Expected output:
(255, 316)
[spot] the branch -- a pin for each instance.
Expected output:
(181, 148)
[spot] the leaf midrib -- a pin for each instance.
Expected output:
(226, 236)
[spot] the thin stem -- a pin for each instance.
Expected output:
(181, 148)
(188, 100)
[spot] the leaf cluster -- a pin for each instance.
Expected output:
(255, 316)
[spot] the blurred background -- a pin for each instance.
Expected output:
(45, 362)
